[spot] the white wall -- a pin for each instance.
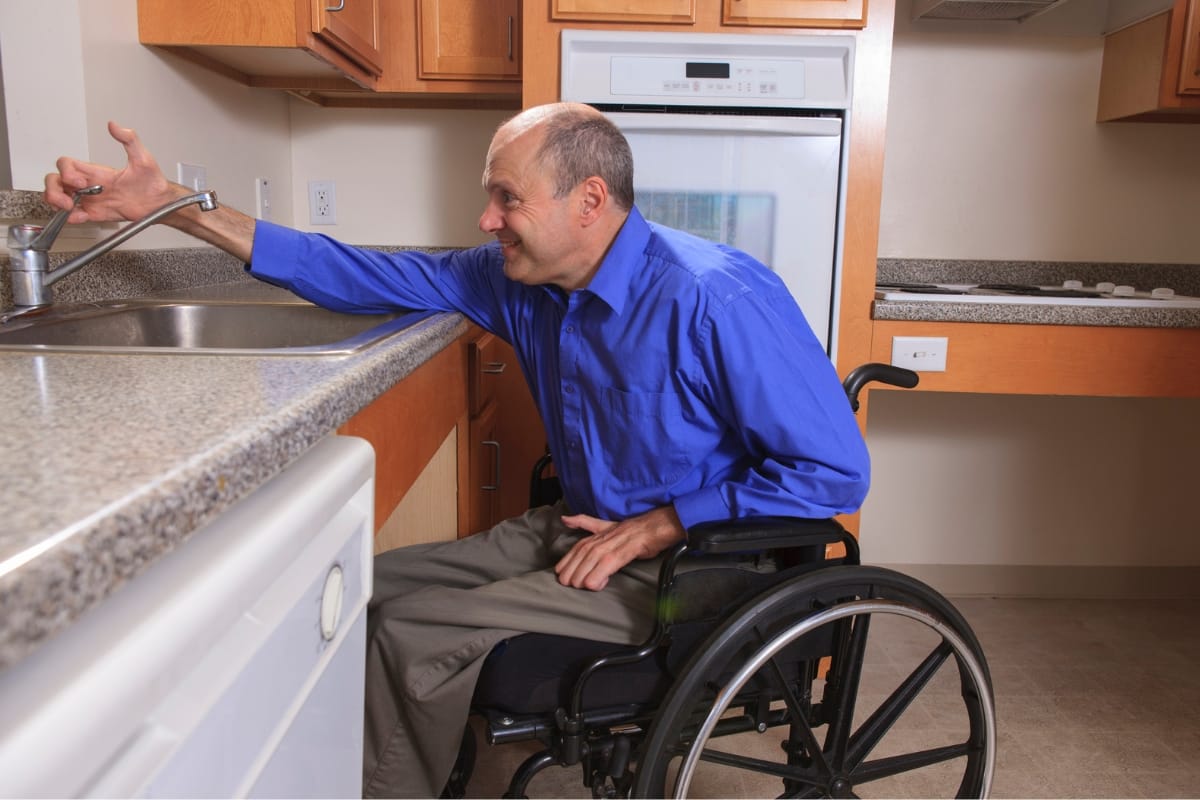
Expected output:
(72, 65)
(993, 153)
(403, 177)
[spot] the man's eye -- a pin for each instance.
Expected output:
(508, 198)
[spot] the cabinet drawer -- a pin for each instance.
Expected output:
(488, 359)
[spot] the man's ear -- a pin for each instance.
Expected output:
(593, 200)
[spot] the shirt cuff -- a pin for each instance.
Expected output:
(273, 256)
(705, 505)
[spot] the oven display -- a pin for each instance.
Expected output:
(706, 69)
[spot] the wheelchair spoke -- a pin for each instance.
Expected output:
(894, 765)
(760, 766)
(799, 717)
(849, 660)
(870, 732)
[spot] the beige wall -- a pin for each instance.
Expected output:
(72, 65)
(993, 153)
(402, 177)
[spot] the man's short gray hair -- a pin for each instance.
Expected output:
(579, 143)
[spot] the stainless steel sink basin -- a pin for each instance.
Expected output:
(283, 329)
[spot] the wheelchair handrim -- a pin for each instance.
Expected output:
(727, 694)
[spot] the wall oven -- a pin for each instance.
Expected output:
(740, 139)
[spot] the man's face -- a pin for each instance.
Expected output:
(537, 232)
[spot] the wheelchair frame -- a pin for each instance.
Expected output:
(816, 612)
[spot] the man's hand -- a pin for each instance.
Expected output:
(129, 193)
(139, 188)
(612, 545)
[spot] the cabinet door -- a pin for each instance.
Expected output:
(352, 27)
(671, 11)
(796, 13)
(1189, 68)
(487, 477)
(471, 39)
(502, 411)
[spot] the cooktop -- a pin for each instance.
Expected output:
(1068, 293)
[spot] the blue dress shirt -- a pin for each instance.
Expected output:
(683, 374)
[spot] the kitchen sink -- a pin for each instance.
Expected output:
(205, 328)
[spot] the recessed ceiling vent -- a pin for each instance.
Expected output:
(1001, 10)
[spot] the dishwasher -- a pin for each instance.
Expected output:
(232, 667)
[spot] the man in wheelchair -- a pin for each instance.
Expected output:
(678, 380)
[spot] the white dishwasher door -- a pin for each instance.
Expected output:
(232, 667)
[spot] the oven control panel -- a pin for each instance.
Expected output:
(793, 72)
(707, 78)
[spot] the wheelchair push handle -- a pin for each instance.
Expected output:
(883, 373)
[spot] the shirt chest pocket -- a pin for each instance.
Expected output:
(647, 444)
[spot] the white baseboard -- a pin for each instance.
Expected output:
(1002, 580)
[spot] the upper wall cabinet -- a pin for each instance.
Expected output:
(419, 53)
(796, 13)
(471, 39)
(770, 13)
(1151, 70)
(660, 11)
(272, 43)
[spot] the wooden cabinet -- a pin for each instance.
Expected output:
(506, 435)
(454, 444)
(777, 13)
(284, 43)
(1151, 70)
(987, 358)
(416, 428)
(661, 11)
(351, 26)
(1189, 67)
(416, 53)
(474, 39)
(795, 13)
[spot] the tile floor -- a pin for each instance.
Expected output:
(1094, 698)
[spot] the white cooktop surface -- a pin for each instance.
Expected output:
(1103, 295)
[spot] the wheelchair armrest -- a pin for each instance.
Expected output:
(763, 533)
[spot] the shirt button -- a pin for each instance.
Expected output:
(568, 388)
(570, 329)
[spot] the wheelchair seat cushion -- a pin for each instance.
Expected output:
(526, 675)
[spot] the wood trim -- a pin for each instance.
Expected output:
(1055, 359)
(408, 423)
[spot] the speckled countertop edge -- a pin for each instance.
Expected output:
(1183, 278)
(112, 461)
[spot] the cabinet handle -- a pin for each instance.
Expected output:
(493, 487)
(494, 367)
(510, 38)
(341, 4)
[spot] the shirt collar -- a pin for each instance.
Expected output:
(623, 263)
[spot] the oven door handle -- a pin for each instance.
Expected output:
(721, 123)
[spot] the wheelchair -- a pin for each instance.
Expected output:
(802, 674)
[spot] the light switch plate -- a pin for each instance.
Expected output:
(193, 176)
(920, 353)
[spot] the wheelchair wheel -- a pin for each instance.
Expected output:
(904, 706)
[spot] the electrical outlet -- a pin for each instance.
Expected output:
(322, 203)
(262, 198)
(193, 176)
(920, 353)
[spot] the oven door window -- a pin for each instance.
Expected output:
(765, 185)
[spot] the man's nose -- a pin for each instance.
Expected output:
(490, 220)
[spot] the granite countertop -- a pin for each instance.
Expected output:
(110, 461)
(1183, 278)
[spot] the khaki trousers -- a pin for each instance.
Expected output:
(437, 611)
